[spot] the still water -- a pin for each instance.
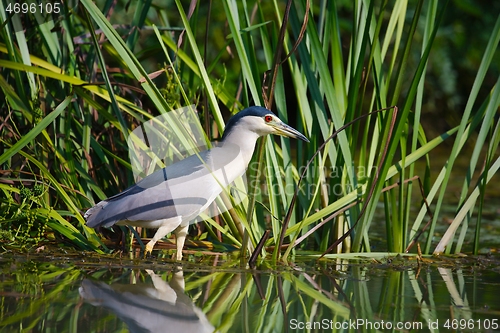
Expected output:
(49, 293)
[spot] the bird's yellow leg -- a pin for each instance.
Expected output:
(180, 238)
(160, 233)
(148, 248)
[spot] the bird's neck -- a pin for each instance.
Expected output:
(245, 140)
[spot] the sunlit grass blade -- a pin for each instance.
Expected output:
(46, 121)
(485, 64)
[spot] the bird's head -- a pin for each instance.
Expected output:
(260, 121)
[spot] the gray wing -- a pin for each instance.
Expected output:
(151, 198)
(182, 189)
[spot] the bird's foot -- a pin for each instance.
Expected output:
(148, 249)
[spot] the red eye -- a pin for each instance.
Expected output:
(268, 118)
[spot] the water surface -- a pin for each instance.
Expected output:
(46, 293)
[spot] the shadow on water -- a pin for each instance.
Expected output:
(85, 294)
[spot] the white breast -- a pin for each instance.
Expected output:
(220, 168)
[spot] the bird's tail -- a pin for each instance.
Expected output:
(94, 215)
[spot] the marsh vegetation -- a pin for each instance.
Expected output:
(75, 86)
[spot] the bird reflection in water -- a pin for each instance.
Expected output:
(163, 307)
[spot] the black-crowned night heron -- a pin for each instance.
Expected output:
(170, 198)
